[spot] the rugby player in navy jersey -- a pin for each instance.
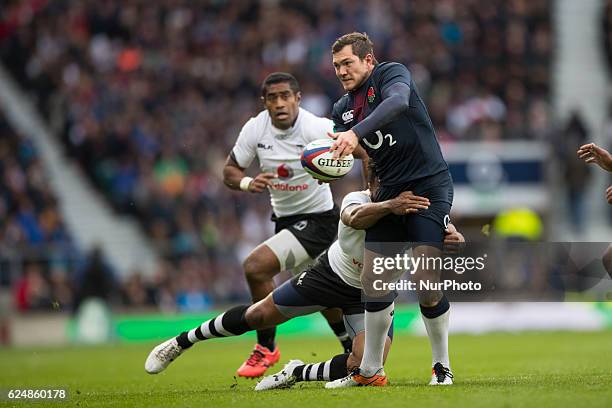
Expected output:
(383, 112)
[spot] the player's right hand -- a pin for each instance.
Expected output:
(261, 182)
(407, 203)
(344, 143)
(591, 153)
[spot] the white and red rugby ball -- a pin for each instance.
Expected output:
(317, 161)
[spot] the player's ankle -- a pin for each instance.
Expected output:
(183, 340)
(370, 372)
(298, 373)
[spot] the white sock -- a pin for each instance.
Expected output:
(437, 330)
(377, 326)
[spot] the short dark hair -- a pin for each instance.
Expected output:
(277, 78)
(359, 42)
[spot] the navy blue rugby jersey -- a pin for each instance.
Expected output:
(404, 150)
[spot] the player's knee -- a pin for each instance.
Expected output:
(429, 298)
(255, 269)
(256, 316)
(371, 285)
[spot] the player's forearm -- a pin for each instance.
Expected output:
(366, 215)
(607, 162)
(390, 108)
(232, 176)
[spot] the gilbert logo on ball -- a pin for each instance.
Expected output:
(317, 161)
(284, 172)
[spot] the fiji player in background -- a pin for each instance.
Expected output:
(383, 112)
(306, 219)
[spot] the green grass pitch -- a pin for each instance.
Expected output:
(494, 370)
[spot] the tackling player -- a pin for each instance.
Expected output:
(383, 112)
(333, 281)
(303, 210)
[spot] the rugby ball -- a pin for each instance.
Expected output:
(317, 161)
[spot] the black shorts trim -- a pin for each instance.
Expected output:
(315, 231)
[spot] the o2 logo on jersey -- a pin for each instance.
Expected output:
(380, 140)
(284, 172)
(446, 221)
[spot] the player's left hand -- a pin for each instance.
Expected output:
(454, 241)
(609, 194)
(345, 143)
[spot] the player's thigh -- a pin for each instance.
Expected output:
(385, 239)
(390, 231)
(426, 242)
(264, 314)
(261, 264)
(312, 235)
(316, 288)
(428, 227)
(376, 276)
(291, 301)
(287, 250)
(316, 232)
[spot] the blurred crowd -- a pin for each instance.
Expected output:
(31, 227)
(45, 270)
(152, 96)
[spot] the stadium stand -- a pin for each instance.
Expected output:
(34, 243)
(151, 96)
